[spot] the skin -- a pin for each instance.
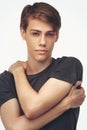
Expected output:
(40, 38)
(12, 119)
(38, 111)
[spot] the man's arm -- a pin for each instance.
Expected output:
(35, 104)
(12, 120)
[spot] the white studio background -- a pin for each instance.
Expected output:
(72, 41)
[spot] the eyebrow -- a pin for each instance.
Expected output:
(40, 31)
(35, 30)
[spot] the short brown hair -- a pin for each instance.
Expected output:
(42, 11)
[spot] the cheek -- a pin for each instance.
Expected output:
(29, 42)
(50, 48)
(30, 47)
(51, 45)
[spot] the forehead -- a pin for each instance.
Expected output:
(37, 24)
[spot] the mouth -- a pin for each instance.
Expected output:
(42, 52)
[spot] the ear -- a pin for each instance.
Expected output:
(22, 32)
(57, 36)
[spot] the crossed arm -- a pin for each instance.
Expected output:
(49, 107)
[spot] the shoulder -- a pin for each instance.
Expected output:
(7, 88)
(5, 74)
(67, 61)
(5, 77)
(68, 69)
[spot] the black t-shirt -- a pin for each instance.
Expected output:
(68, 69)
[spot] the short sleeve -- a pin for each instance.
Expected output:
(68, 69)
(6, 90)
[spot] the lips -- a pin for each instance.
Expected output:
(41, 51)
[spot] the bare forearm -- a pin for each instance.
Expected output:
(52, 114)
(35, 104)
(24, 90)
(24, 123)
(20, 123)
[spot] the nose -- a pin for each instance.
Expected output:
(42, 40)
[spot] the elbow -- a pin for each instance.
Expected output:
(34, 109)
(32, 112)
(29, 116)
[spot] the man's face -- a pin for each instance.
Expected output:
(40, 38)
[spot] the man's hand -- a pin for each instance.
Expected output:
(76, 96)
(17, 66)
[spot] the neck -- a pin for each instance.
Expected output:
(34, 67)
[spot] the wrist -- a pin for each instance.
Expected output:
(67, 102)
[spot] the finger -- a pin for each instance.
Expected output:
(77, 84)
(80, 92)
(83, 91)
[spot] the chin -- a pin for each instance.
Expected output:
(42, 59)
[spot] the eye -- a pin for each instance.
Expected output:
(50, 34)
(35, 33)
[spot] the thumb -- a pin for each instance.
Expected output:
(77, 84)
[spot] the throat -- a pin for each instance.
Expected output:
(34, 68)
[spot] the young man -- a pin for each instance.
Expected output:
(41, 93)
